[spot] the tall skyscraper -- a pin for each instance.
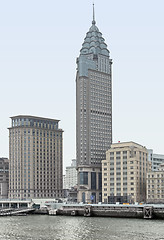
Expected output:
(35, 157)
(93, 113)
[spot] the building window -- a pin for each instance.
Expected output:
(83, 197)
(84, 178)
(93, 180)
(100, 181)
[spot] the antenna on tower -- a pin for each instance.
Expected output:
(93, 22)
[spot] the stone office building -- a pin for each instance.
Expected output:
(36, 158)
(93, 113)
(155, 186)
(4, 177)
(124, 173)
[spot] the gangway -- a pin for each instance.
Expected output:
(13, 212)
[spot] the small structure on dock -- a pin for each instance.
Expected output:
(15, 203)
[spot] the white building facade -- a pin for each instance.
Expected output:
(71, 176)
(155, 159)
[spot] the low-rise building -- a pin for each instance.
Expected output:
(155, 186)
(124, 173)
(155, 159)
(4, 177)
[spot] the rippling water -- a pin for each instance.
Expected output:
(81, 228)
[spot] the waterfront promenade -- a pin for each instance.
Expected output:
(146, 211)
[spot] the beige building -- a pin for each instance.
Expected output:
(155, 186)
(4, 177)
(36, 158)
(124, 173)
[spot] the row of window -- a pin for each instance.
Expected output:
(34, 123)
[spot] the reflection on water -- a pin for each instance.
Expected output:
(82, 228)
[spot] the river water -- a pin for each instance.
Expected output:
(44, 227)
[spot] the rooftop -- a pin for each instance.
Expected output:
(34, 117)
(94, 42)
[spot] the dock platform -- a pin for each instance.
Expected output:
(146, 211)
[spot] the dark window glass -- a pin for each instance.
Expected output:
(84, 178)
(83, 197)
(100, 181)
(93, 180)
(93, 197)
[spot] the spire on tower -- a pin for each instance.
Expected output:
(93, 22)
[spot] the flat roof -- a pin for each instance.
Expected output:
(38, 118)
(126, 144)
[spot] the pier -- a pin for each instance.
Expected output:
(24, 207)
(113, 210)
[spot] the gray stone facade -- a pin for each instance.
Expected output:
(4, 177)
(93, 112)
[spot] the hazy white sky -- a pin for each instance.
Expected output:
(39, 43)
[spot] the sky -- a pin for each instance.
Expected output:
(39, 43)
